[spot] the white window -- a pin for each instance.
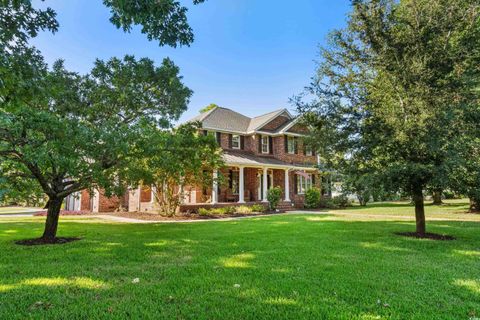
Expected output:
(291, 145)
(265, 144)
(235, 141)
(308, 150)
(303, 183)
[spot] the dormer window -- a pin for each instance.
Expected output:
(265, 144)
(235, 141)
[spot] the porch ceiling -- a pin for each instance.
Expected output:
(239, 158)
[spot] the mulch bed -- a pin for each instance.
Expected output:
(40, 241)
(183, 216)
(432, 236)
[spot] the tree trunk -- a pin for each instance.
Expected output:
(53, 213)
(474, 205)
(437, 196)
(417, 197)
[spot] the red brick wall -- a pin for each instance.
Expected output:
(300, 157)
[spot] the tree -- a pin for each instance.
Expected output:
(61, 132)
(83, 132)
(176, 159)
(209, 107)
(391, 90)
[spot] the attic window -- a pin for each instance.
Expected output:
(291, 145)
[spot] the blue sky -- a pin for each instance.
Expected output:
(248, 55)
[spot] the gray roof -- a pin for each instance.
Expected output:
(228, 120)
(244, 158)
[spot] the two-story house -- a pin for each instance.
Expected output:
(259, 153)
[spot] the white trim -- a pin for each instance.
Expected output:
(268, 144)
(291, 124)
(272, 166)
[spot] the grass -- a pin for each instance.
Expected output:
(451, 209)
(284, 266)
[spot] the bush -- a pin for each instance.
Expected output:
(341, 201)
(203, 211)
(312, 198)
(273, 196)
(257, 208)
(244, 209)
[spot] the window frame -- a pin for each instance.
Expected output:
(304, 184)
(236, 139)
(290, 145)
(267, 144)
(308, 150)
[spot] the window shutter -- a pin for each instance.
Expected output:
(304, 149)
(295, 184)
(270, 145)
(286, 144)
(230, 141)
(242, 142)
(313, 179)
(205, 132)
(230, 179)
(313, 152)
(218, 136)
(259, 144)
(295, 144)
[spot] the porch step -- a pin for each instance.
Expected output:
(286, 206)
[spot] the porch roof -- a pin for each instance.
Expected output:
(238, 158)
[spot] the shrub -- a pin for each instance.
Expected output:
(203, 211)
(341, 201)
(312, 198)
(257, 208)
(244, 209)
(273, 196)
(230, 210)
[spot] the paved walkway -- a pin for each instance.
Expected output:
(335, 212)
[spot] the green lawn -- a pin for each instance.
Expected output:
(286, 266)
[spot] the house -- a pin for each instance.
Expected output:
(259, 153)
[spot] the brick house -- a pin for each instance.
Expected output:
(259, 153)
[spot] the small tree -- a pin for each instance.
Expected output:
(176, 159)
(273, 196)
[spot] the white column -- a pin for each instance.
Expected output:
(265, 185)
(287, 187)
(241, 187)
(96, 201)
(215, 187)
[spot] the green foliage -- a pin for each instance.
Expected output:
(257, 208)
(273, 196)
(393, 91)
(209, 107)
(179, 157)
(243, 209)
(161, 20)
(312, 198)
(203, 211)
(341, 201)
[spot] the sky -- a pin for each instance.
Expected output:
(248, 55)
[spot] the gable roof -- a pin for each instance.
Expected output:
(225, 119)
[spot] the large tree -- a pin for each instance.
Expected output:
(391, 90)
(61, 132)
